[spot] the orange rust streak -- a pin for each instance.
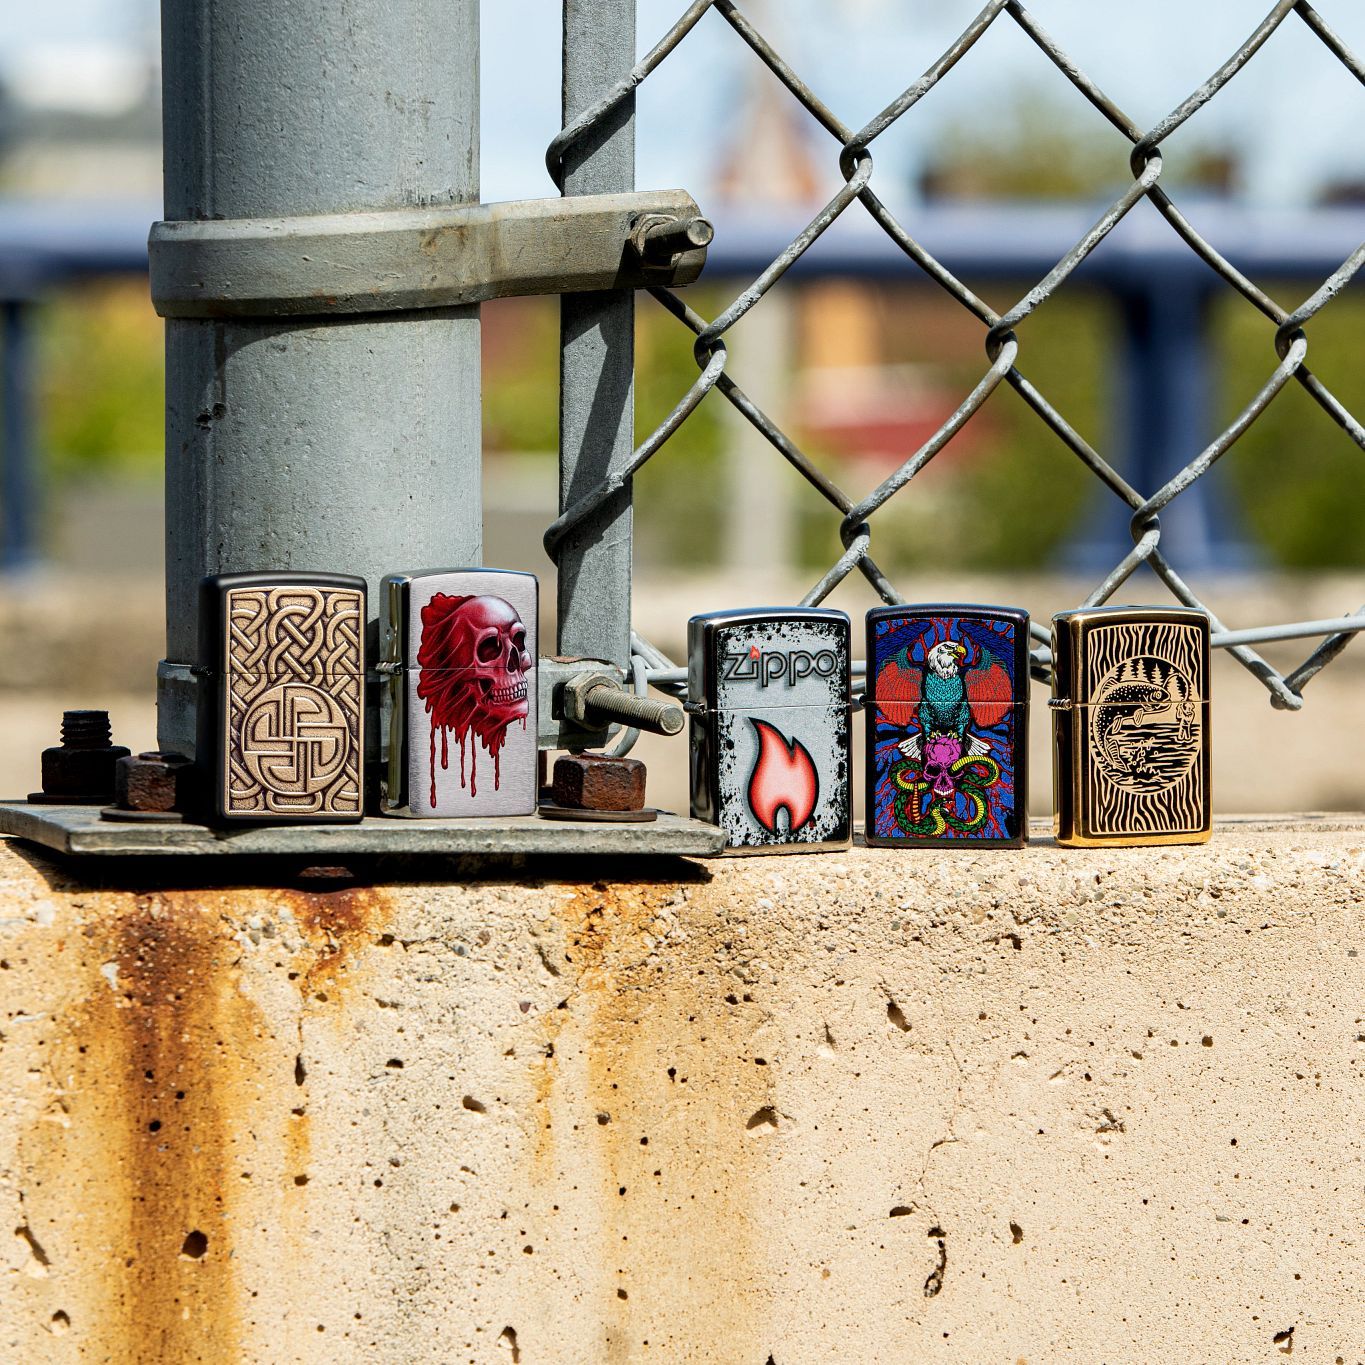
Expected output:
(154, 1065)
(337, 924)
(157, 1186)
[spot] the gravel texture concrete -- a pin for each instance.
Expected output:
(875, 1106)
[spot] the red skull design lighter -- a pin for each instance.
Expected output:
(458, 649)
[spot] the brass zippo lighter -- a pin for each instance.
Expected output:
(282, 697)
(1131, 726)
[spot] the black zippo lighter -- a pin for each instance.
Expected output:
(281, 733)
(947, 726)
(769, 697)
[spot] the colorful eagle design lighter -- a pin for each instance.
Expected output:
(947, 726)
(1131, 727)
(282, 697)
(458, 649)
(769, 696)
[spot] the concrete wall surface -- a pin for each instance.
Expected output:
(876, 1107)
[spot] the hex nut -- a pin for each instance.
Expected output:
(599, 782)
(152, 781)
(81, 768)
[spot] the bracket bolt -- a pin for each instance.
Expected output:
(659, 239)
(594, 698)
(153, 781)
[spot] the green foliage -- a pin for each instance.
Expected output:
(678, 493)
(1006, 495)
(1013, 501)
(1040, 145)
(521, 375)
(99, 380)
(1298, 477)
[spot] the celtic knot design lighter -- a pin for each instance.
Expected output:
(282, 700)
(1131, 727)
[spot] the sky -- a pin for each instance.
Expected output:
(1294, 114)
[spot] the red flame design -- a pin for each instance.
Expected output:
(784, 778)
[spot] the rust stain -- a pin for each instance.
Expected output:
(174, 1177)
(602, 923)
(186, 1030)
(645, 1068)
(152, 1061)
(337, 925)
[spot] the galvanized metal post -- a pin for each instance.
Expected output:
(343, 443)
(17, 541)
(597, 349)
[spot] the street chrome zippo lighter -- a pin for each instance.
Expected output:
(1131, 726)
(769, 696)
(282, 697)
(458, 647)
(947, 726)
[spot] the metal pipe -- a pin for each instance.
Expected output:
(341, 443)
(597, 350)
(18, 547)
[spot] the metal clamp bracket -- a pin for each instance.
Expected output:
(402, 259)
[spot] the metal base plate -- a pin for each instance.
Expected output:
(550, 810)
(79, 831)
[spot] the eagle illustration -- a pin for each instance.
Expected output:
(947, 695)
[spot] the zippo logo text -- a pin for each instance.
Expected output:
(789, 666)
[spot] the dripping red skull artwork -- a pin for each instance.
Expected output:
(474, 673)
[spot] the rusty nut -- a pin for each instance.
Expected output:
(599, 782)
(151, 781)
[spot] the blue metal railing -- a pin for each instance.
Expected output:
(1165, 382)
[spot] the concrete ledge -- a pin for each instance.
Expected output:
(1104, 1105)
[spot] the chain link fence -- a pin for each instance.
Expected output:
(1002, 333)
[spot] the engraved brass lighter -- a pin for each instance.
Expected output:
(1131, 726)
(282, 697)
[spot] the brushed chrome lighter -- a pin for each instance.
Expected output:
(947, 726)
(458, 647)
(1131, 726)
(282, 697)
(769, 697)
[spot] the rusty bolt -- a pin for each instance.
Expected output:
(599, 782)
(80, 769)
(594, 698)
(152, 781)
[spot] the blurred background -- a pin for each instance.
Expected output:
(999, 170)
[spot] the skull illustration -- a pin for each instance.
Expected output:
(940, 753)
(497, 642)
(474, 664)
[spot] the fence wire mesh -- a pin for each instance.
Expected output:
(1286, 330)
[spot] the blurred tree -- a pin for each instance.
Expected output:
(1043, 146)
(100, 379)
(1299, 479)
